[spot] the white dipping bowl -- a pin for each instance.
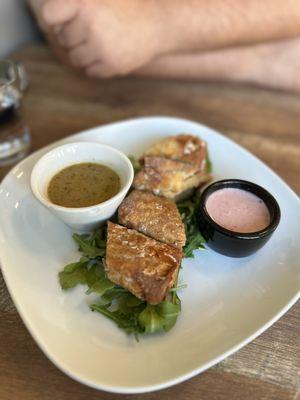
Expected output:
(82, 218)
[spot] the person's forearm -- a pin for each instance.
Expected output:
(209, 24)
(141, 31)
(274, 65)
(218, 65)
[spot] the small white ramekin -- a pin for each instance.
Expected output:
(83, 218)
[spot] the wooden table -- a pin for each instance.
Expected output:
(59, 103)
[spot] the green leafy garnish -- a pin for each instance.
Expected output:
(188, 210)
(129, 323)
(131, 314)
(73, 274)
(195, 242)
(209, 165)
(91, 246)
(136, 164)
(160, 317)
(179, 287)
(100, 286)
(123, 308)
(136, 316)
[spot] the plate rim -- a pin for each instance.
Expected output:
(195, 371)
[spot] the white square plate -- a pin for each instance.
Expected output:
(227, 302)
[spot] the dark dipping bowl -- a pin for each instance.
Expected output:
(230, 243)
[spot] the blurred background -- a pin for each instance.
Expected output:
(17, 27)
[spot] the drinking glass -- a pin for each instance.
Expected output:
(14, 134)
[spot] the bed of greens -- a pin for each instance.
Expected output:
(131, 314)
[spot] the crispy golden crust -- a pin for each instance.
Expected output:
(142, 265)
(168, 178)
(154, 216)
(186, 148)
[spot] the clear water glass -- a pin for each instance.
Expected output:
(14, 133)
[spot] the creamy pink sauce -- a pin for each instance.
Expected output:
(238, 210)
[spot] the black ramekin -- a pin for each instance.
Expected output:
(230, 243)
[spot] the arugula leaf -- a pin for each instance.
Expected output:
(70, 268)
(136, 316)
(87, 247)
(129, 323)
(123, 308)
(179, 287)
(114, 294)
(96, 278)
(209, 166)
(93, 274)
(170, 312)
(189, 210)
(160, 317)
(101, 285)
(129, 304)
(195, 241)
(133, 301)
(135, 163)
(73, 274)
(151, 320)
(98, 239)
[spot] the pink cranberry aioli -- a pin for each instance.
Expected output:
(238, 210)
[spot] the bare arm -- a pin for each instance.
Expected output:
(274, 64)
(117, 37)
(210, 24)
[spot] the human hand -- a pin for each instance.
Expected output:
(50, 32)
(107, 37)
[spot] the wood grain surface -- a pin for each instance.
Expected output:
(60, 102)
